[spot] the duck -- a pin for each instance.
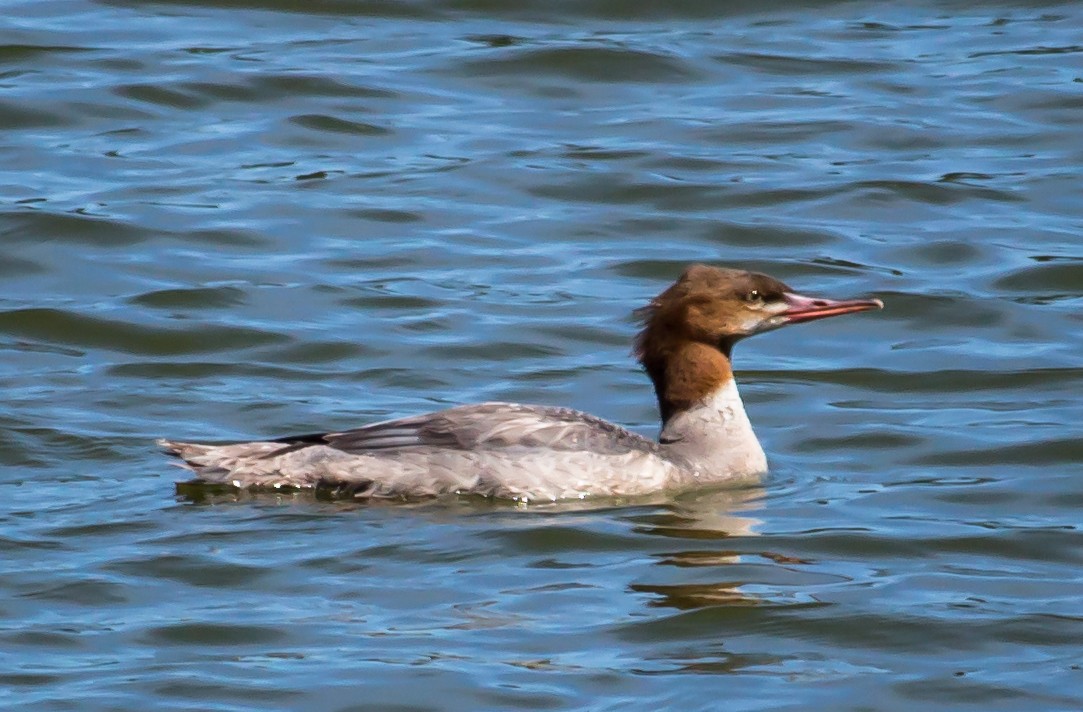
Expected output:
(539, 453)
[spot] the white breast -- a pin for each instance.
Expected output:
(715, 437)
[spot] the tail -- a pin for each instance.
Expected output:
(270, 466)
(240, 465)
(189, 452)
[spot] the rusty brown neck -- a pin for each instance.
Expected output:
(685, 374)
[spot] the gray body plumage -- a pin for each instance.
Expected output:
(501, 450)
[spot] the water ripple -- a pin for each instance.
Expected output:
(244, 218)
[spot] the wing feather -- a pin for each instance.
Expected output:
(487, 426)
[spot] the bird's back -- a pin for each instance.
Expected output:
(493, 449)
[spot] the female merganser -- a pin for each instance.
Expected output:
(533, 452)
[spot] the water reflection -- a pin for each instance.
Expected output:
(703, 543)
(705, 515)
(691, 596)
(740, 574)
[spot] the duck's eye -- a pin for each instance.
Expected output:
(754, 297)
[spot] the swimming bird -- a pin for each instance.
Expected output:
(545, 453)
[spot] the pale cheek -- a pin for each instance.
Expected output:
(751, 323)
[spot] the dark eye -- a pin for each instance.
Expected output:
(753, 297)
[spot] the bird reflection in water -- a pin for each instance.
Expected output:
(711, 518)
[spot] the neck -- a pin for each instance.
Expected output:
(687, 376)
(704, 424)
(713, 439)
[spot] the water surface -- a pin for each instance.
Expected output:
(249, 218)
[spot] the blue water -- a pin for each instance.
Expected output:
(235, 219)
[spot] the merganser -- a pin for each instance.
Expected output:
(534, 452)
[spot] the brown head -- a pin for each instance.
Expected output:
(689, 329)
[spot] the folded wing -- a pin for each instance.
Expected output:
(501, 449)
(487, 426)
